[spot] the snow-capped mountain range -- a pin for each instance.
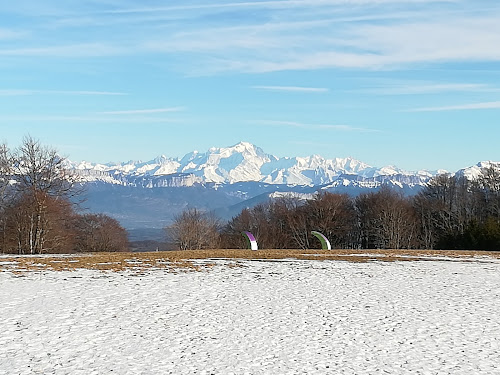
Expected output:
(242, 162)
(146, 196)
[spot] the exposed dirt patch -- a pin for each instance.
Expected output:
(190, 260)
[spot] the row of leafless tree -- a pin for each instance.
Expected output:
(451, 212)
(37, 213)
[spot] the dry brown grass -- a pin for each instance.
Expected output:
(187, 260)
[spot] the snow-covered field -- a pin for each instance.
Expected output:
(265, 317)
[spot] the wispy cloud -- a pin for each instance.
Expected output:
(7, 34)
(294, 124)
(268, 5)
(88, 119)
(291, 88)
(461, 107)
(143, 111)
(324, 34)
(16, 92)
(282, 46)
(416, 88)
(67, 50)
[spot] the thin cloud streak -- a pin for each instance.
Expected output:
(291, 88)
(57, 92)
(416, 89)
(66, 120)
(462, 107)
(269, 5)
(143, 111)
(82, 50)
(343, 128)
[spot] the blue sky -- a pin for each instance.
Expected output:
(412, 83)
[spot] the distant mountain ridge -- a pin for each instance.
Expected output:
(146, 196)
(242, 162)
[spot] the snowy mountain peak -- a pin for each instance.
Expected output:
(240, 163)
(241, 146)
(162, 159)
(244, 148)
(475, 171)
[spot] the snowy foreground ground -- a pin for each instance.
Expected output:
(272, 317)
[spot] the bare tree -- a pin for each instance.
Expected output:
(291, 216)
(5, 172)
(441, 193)
(287, 222)
(298, 223)
(489, 183)
(40, 174)
(96, 233)
(259, 221)
(427, 233)
(387, 220)
(448, 206)
(38, 215)
(333, 215)
(40, 168)
(5, 176)
(195, 230)
(231, 237)
(55, 226)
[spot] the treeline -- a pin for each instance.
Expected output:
(452, 212)
(37, 213)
